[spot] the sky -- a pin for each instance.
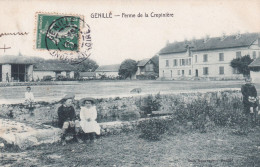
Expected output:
(119, 38)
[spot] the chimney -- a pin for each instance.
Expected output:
(238, 35)
(206, 38)
(223, 36)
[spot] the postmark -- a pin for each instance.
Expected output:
(66, 37)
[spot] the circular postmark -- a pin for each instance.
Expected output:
(68, 38)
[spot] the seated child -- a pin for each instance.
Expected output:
(88, 116)
(67, 117)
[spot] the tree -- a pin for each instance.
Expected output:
(241, 64)
(155, 59)
(128, 68)
(87, 65)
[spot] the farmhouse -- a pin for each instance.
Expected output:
(53, 69)
(255, 70)
(16, 68)
(207, 58)
(110, 71)
(145, 67)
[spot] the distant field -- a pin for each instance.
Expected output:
(111, 89)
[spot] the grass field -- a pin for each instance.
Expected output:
(111, 88)
(219, 148)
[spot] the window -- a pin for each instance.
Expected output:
(196, 58)
(221, 70)
(182, 72)
(254, 54)
(171, 73)
(189, 61)
(175, 62)
(205, 71)
(189, 72)
(180, 63)
(205, 58)
(221, 56)
(183, 62)
(179, 72)
(167, 63)
(238, 54)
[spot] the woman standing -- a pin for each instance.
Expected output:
(88, 116)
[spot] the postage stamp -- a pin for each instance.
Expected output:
(66, 37)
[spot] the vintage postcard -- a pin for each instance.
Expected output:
(130, 83)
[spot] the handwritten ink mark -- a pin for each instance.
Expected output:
(5, 48)
(14, 33)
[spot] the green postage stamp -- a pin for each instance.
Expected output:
(66, 37)
(56, 32)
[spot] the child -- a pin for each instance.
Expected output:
(29, 99)
(67, 117)
(250, 101)
(88, 116)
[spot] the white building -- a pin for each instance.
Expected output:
(53, 69)
(255, 70)
(207, 58)
(110, 71)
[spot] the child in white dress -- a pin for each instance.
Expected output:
(88, 116)
(29, 100)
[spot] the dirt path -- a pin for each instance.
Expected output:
(219, 148)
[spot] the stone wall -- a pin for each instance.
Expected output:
(109, 109)
(20, 128)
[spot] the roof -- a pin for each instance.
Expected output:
(231, 41)
(87, 74)
(53, 67)
(255, 63)
(143, 62)
(108, 68)
(16, 59)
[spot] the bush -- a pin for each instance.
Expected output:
(47, 78)
(61, 78)
(150, 103)
(152, 129)
(151, 76)
(129, 115)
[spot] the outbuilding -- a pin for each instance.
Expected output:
(16, 68)
(53, 69)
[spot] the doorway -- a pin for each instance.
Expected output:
(18, 72)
